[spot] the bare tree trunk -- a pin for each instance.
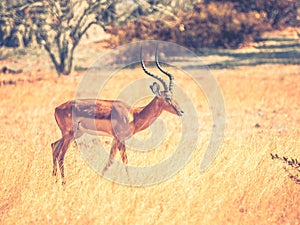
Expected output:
(66, 60)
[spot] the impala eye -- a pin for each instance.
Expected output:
(168, 99)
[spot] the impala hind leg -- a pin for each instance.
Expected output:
(56, 146)
(122, 150)
(112, 154)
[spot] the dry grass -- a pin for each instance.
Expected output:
(244, 186)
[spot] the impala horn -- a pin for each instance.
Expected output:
(171, 77)
(166, 89)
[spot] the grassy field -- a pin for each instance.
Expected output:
(243, 186)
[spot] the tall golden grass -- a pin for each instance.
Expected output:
(243, 186)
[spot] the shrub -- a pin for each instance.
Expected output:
(218, 25)
(208, 25)
(277, 13)
(141, 29)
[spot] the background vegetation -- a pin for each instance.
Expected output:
(58, 26)
(213, 24)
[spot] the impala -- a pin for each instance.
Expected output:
(111, 118)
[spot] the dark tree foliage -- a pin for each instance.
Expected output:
(59, 25)
(206, 26)
(213, 23)
(278, 13)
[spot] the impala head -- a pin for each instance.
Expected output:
(165, 97)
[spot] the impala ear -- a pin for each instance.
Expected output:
(155, 89)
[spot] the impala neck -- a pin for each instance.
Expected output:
(143, 117)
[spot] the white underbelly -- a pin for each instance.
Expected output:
(95, 127)
(94, 132)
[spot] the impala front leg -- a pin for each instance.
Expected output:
(112, 155)
(122, 149)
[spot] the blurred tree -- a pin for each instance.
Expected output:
(59, 25)
(8, 28)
